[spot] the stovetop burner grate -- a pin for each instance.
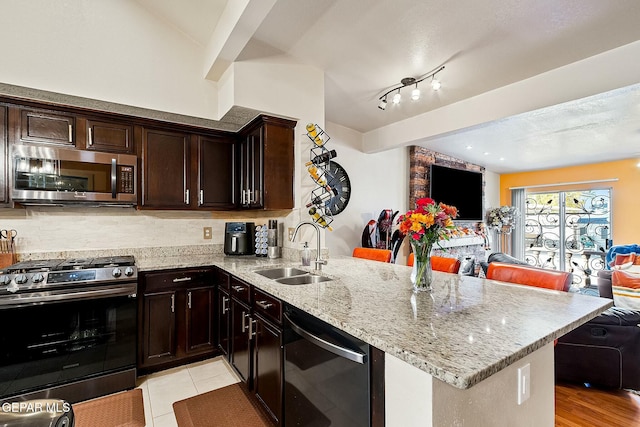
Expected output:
(69, 264)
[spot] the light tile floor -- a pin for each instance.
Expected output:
(161, 389)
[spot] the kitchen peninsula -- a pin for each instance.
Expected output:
(451, 357)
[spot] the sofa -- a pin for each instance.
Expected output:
(603, 352)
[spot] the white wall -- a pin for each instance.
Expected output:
(378, 181)
(106, 50)
(491, 190)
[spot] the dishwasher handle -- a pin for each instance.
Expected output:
(330, 347)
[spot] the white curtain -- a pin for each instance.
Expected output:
(518, 199)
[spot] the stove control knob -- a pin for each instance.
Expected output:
(21, 279)
(5, 280)
(37, 278)
(128, 271)
(116, 272)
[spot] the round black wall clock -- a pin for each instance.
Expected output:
(338, 180)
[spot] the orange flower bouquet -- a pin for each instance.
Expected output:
(425, 226)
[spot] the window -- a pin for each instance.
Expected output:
(569, 231)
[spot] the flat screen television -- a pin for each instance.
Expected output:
(459, 188)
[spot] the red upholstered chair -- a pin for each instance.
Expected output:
(439, 263)
(530, 276)
(383, 255)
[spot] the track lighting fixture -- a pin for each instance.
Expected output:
(415, 93)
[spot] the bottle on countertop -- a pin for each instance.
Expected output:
(306, 255)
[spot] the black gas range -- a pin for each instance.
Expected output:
(63, 277)
(70, 328)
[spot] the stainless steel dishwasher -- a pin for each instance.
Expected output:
(326, 374)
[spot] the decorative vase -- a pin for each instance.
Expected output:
(421, 275)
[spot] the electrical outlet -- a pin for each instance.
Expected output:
(291, 229)
(207, 232)
(524, 383)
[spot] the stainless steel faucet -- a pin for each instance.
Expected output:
(319, 262)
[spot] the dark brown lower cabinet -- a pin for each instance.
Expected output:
(199, 319)
(257, 344)
(224, 321)
(267, 366)
(177, 318)
(159, 330)
(241, 342)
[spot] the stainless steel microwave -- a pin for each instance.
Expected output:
(57, 176)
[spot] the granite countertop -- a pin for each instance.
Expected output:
(463, 332)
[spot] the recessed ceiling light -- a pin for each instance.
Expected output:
(501, 158)
(468, 147)
(486, 153)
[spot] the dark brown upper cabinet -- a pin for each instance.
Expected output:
(165, 169)
(108, 136)
(217, 182)
(265, 162)
(45, 127)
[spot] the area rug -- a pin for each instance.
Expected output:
(229, 406)
(117, 410)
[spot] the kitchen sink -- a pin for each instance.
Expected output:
(280, 273)
(303, 280)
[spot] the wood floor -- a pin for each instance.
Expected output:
(577, 405)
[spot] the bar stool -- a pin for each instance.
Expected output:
(382, 255)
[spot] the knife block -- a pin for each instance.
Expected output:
(7, 259)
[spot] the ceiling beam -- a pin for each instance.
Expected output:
(237, 24)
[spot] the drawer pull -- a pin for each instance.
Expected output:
(238, 288)
(265, 305)
(181, 279)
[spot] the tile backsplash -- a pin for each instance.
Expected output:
(49, 229)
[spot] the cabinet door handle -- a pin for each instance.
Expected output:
(265, 305)
(70, 133)
(186, 196)
(252, 332)
(182, 279)
(90, 138)
(225, 308)
(238, 288)
(201, 198)
(189, 300)
(244, 316)
(173, 303)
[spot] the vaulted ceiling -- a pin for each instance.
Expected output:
(367, 47)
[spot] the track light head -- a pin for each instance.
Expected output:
(435, 83)
(383, 104)
(415, 93)
(397, 98)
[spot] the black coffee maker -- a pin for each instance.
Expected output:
(239, 238)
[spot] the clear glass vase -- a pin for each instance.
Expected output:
(421, 275)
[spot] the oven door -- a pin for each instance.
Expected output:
(58, 175)
(50, 344)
